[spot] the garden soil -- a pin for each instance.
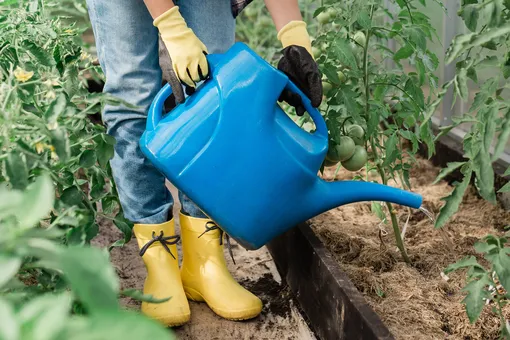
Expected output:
(415, 302)
(255, 270)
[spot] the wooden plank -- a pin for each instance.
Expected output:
(334, 307)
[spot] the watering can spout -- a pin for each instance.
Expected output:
(335, 194)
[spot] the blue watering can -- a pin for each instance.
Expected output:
(234, 152)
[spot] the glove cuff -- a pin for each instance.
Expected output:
(171, 17)
(295, 33)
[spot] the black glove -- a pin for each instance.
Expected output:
(302, 69)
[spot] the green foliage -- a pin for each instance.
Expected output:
(54, 179)
(487, 285)
(488, 113)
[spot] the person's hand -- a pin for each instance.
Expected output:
(186, 50)
(299, 65)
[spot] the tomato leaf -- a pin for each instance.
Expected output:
(453, 200)
(503, 137)
(364, 19)
(505, 188)
(71, 84)
(404, 52)
(401, 3)
(391, 148)
(466, 262)
(471, 73)
(461, 83)
(319, 11)
(331, 73)
(117, 324)
(56, 108)
(9, 327)
(469, 14)
(450, 167)
(38, 53)
(10, 266)
(35, 203)
(8, 2)
(138, 295)
(490, 126)
(427, 137)
(72, 196)
(420, 68)
(99, 294)
(462, 43)
(501, 262)
(415, 92)
(16, 170)
(87, 159)
(45, 316)
(474, 300)
(109, 204)
(60, 141)
(484, 175)
(104, 153)
(416, 36)
(378, 210)
(125, 226)
(344, 53)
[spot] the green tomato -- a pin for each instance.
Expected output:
(357, 51)
(358, 159)
(341, 76)
(326, 87)
(360, 38)
(357, 133)
(251, 12)
(332, 12)
(265, 21)
(323, 17)
(343, 151)
(316, 52)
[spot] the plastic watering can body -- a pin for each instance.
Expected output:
(234, 152)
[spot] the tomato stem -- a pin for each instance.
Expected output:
(394, 221)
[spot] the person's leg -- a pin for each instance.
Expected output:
(214, 25)
(127, 46)
(204, 272)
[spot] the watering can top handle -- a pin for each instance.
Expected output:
(174, 86)
(318, 120)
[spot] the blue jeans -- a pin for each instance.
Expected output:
(127, 48)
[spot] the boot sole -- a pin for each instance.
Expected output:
(238, 315)
(173, 321)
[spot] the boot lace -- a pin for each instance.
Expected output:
(210, 226)
(164, 240)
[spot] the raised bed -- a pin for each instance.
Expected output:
(330, 301)
(334, 307)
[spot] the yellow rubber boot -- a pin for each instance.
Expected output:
(204, 272)
(158, 249)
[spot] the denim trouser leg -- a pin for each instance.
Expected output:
(127, 45)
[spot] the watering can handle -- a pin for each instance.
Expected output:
(320, 124)
(173, 86)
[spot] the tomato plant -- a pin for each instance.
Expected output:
(365, 93)
(481, 58)
(55, 185)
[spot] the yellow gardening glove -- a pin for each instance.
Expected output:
(185, 49)
(295, 33)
